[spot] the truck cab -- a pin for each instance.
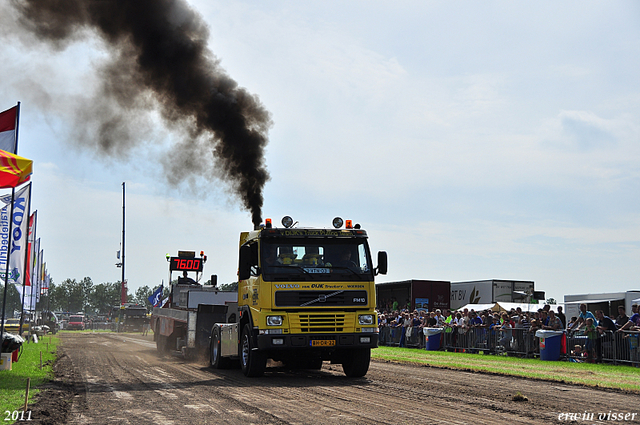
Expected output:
(305, 295)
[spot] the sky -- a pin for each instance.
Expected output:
(472, 140)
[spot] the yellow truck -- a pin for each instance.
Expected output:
(305, 295)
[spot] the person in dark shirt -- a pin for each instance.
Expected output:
(622, 318)
(432, 322)
(562, 317)
(604, 324)
(634, 321)
(186, 280)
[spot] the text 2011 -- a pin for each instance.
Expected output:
(17, 415)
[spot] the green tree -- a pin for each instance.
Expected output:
(233, 286)
(104, 297)
(142, 296)
(14, 302)
(76, 294)
(57, 297)
(45, 299)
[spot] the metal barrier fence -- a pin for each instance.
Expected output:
(612, 347)
(111, 326)
(615, 347)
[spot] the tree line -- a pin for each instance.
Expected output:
(84, 296)
(81, 296)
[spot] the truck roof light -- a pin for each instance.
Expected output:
(337, 222)
(287, 221)
(357, 226)
(202, 253)
(268, 223)
(349, 224)
(168, 257)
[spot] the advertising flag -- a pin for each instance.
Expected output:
(16, 253)
(29, 303)
(30, 245)
(35, 262)
(156, 298)
(8, 124)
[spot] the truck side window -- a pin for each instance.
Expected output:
(254, 259)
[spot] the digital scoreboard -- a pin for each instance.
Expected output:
(189, 264)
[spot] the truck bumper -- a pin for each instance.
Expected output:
(306, 342)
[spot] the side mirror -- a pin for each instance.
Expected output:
(244, 266)
(382, 262)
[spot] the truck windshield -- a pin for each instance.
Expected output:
(315, 259)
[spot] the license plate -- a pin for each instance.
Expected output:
(323, 342)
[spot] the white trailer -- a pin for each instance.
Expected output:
(492, 291)
(607, 302)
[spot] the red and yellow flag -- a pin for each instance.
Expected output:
(14, 169)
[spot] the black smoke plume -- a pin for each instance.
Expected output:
(158, 56)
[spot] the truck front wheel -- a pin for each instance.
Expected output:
(356, 363)
(252, 362)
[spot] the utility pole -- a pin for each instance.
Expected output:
(123, 231)
(123, 284)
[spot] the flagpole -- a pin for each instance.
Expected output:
(15, 149)
(6, 272)
(122, 287)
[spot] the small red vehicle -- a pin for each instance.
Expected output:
(76, 322)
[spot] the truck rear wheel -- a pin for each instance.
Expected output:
(216, 360)
(356, 363)
(252, 362)
(161, 342)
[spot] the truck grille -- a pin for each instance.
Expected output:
(320, 322)
(321, 298)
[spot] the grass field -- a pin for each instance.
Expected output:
(597, 375)
(13, 383)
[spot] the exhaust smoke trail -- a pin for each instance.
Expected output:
(159, 56)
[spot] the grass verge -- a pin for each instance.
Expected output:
(13, 383)
(595, 375)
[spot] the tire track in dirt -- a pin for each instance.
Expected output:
(134, 388)
(128, 382)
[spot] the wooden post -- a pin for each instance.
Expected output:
(26, 397)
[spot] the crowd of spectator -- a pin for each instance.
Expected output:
(500, 326)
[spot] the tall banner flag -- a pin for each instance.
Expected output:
(43, 270)
(34, 262)
(29, 303)
(8, 125)
(20, 232)
(30, 245)
(156, 298)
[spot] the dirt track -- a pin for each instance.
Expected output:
(120, 379)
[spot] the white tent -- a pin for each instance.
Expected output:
(503, 306)
(480, 307)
